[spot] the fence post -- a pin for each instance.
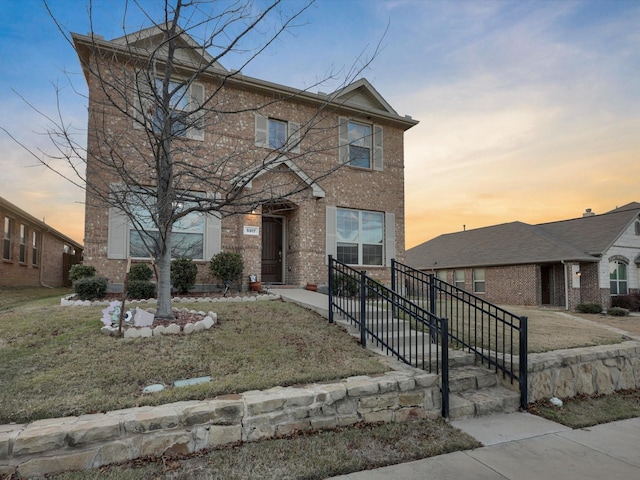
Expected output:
(363, 308)
(523, 363)
(444, 374)
(331, 280)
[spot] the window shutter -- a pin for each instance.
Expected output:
(377, 147)
(294, 137)
(331, 219)
(262, 130)
(213, 234)
(196, 100)
(142, 102)
(343, 141)
(389, 237)
(117, 234)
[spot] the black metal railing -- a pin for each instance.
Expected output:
(497, 337)
(388, 320)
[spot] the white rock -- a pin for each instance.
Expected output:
(173, 329)
(108, 330)
(159, 330)
(208, 322)
(146, 332)
(131, 333)
(188, 328)
(142, 318)
(156, 387)
(555, 401)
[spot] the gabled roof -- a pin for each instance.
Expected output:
(362, 93)
(582, 239)
(249, 176)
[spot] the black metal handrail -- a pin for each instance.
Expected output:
(390, 321)
(475, 325)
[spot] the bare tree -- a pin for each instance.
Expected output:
(153, 97)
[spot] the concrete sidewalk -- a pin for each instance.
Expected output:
(520, 446)
(317, 302)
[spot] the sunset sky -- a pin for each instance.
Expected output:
(528, 110)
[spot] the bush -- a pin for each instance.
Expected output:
(589, 308)
(140, 271)
(90, 288)
(630, 302)
(618, 312)
(78, 271)
(345, 286)
(183, 274)
(226, 266)
(141, 289)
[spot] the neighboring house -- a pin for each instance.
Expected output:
(355, 214)
(33, 253)
(565, 263)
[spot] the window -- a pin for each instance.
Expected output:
(34, 248)
(23, 243)
(458, 278)
(359, 236)
(478, 280)
(360, 144)
(277, 134)
(184, 98)
(6, 244)
(618, 277)
(187, 235)
(441, 275)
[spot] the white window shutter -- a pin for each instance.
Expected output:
(213, 235)
(377, 147)
(294, 137)
(196, 100)
(331, 222)
(118, 231)
(262, 130)
(389, 237)
(343, 141)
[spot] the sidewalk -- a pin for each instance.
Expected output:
(520, 446)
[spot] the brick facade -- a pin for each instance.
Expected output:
(304, 214)
(50, 247)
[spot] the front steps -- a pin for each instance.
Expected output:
(474, 390)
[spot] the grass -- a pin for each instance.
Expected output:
(586, 411)
(56, 362)
(306, 456)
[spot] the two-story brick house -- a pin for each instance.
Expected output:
(336, 185)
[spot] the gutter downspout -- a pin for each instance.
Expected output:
(566, 286)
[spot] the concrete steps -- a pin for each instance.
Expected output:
(474, 390)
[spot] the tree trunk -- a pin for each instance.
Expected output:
(164, 282)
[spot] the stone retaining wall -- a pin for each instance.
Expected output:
(89, 441)
(589, 370)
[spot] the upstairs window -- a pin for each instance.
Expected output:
(6, 243)
(360, 144)
(277, 134)
(618, 277)
(184, 110)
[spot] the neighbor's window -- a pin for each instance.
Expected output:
(23, 243)
(187, 235)
(458, 278)
(360, 237)
(359, 145)
(478, 280)
(34, 248)
(6, 244)
(618, 277)
(441, 275)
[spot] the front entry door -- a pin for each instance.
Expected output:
(272, 250)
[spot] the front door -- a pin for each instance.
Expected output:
(272, 249)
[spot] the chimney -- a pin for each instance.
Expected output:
(588, 213)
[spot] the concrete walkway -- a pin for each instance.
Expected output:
(317, 302)
(520, 446)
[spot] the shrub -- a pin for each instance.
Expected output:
(140, 271)
(90, 288)
(226, 266)
(589, 308)
(183, 274)
(141, 289)
(78, 271)
(618, 312)
(345, 286)
(630, 302)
